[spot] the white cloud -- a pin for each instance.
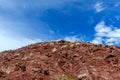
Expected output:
(106, 34)
(99, 6)
(97, 40)
(12, 36)
(32, 4)
(16, 32)
(10, 42)
(73, 38)
(117, 18)
(117, 4)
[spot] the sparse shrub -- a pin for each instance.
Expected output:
(66, 77)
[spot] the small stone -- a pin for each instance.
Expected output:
(64, 46)
(51, 43)
(31, 54)
(24, 58)
(71, 45)
(82, 75)
(77, 43)
(17, 54)
(9, 70)
(54, 50)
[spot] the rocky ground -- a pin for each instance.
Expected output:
(61, 60)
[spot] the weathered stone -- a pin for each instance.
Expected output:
(72, 61)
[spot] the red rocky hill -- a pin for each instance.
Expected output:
(61, 60)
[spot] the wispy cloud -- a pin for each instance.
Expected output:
(8, 42)
(31, 4)
(12, 34)
(117, 18)
(16, 29)
(74, 38)
(117, 4)
(99, 6)
(15, 34)
(106, 34)
(71, 38)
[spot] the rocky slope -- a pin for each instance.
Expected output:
(61, 60)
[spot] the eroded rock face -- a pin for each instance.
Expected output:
(61, 60)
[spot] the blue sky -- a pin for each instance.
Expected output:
(23, 22)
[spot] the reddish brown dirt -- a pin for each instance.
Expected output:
(61, 60)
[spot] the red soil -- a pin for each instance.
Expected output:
(61, 60)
